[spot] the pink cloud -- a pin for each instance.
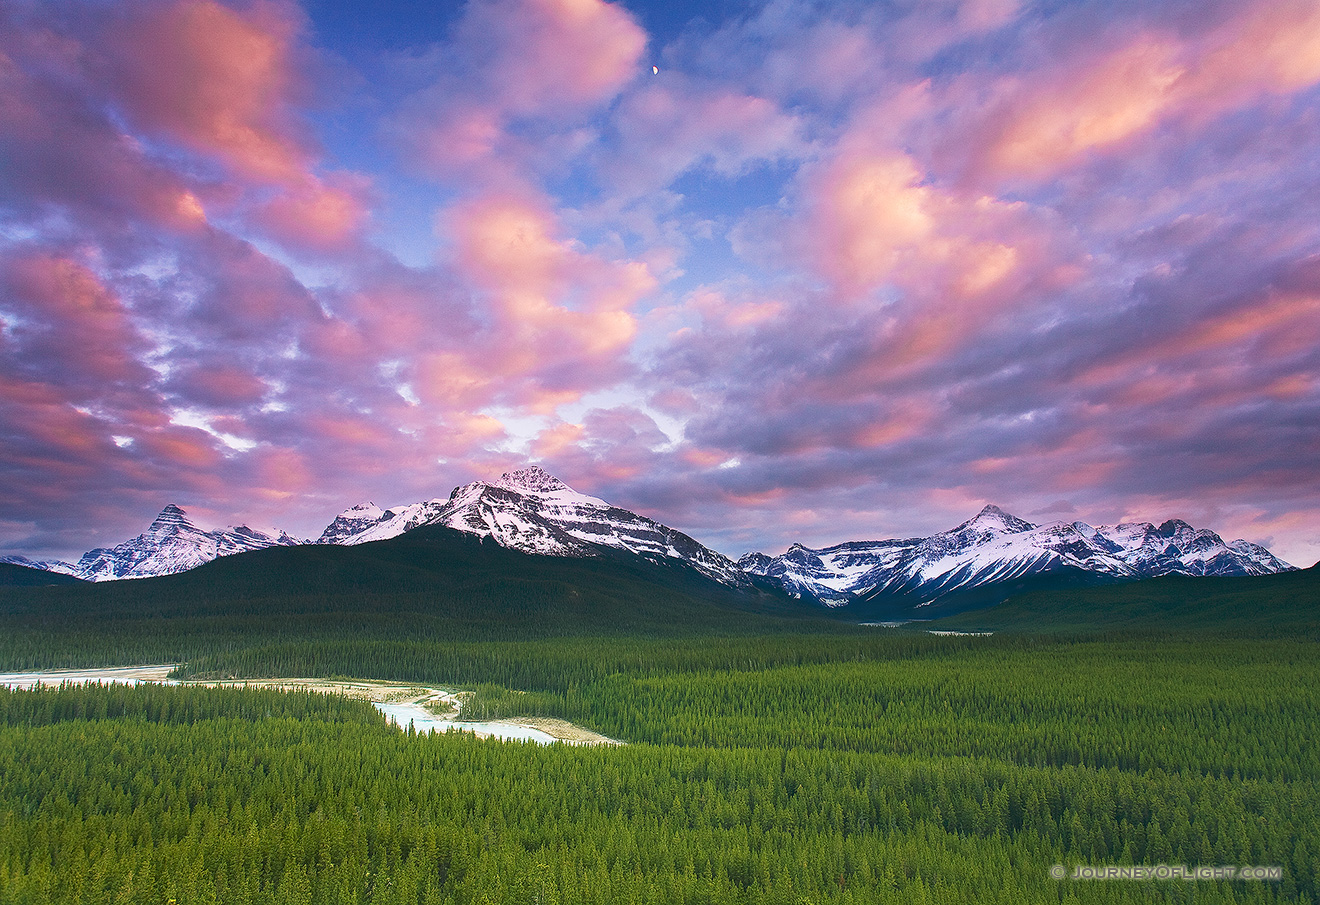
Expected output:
(561, 317)
(326, 215)
(872, 216)
(677, 124)
(1120, 95)
(552, 52)
(238, 292)
(451, 380)
(936, 265)
(510, 59)
(80, 406)
(53, 443)
(1217, 354)
(1279, 326)
(395, 313)
(737, 312)
(557, 440)
(904, 322)
(180, 447)
(469, 433)
(206, 129)
(71, 323)
(282, 474)
(215, 79)
(219, 385)
(1269, 47)
(61, 148)
(614, 445)
(465, 135)
(1099, 101)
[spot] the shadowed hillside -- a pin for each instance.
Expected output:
(1282, 605)
(13, 575)
(432, 583)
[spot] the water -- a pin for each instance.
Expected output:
(398, 714)
(424, 721)
(121, 675)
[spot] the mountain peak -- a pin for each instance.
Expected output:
(351, 522)
(992, 518)
(534, 478)
(1174, 526)
(170, 518)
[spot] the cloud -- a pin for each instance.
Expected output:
(677, 125)
(560, 318)
(840, 56)
(837, 271)
(216, 80)
(1196, 379)
(553, 53)
(1103, 95)
(512, 61)
(232, 292)
(916, 268)
(66, 327)
(612, 447)
(208, 128)
(84, 417)
(326, 216)
(60, 147)
(219, 384)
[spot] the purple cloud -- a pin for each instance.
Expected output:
(829, 273)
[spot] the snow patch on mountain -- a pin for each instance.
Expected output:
(45, 565)
(532, 511)
(995, 546)
(367, 522)
(172, 544)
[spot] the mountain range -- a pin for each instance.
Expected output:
(995, 547)
(533, 512)
(172, 543)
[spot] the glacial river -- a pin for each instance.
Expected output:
(401, 704)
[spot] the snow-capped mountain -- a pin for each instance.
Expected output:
(45, 565)
(367, 522)
(995, 546)
(528, 510)
(533, 511)
(172, 544)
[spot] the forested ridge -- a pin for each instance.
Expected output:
(774, 755)
(904, 769)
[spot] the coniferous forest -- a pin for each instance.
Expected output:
(769, 758)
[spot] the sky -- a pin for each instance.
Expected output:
(769, 272)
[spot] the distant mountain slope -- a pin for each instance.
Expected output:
(172, 544)
(995, 547)
(527, 510)
(44, 565)
(1286, 604)
(534, 512)
(16, 575)
(432, 579)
